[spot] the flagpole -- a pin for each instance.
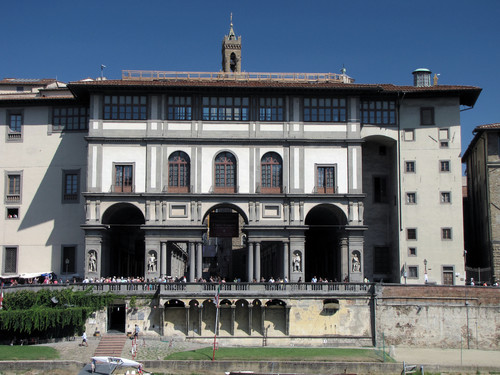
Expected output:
(216, 320)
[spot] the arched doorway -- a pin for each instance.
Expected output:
(124, 243)
(323, 257)
(225, 245)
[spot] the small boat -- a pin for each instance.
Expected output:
(117, 363)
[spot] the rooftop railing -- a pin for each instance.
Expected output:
(151, 75)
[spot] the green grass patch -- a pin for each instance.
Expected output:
(282, 354)
(17, 352)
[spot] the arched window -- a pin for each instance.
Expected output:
(178, 172)
(225, 173)
(271, 173)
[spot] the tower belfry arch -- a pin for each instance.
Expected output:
(231, 51)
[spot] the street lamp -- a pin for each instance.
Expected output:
(67, 264)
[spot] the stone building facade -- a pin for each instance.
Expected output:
(244, 176)
(482, 234)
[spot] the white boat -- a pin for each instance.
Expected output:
(117, 362)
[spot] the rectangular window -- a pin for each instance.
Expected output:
(13, 188)
(124, 179)
(325, 179)
(70, 118)
(411, 233)
(445, 197)
(125, 107)
(271, 109)
(382, 262)
(12, 213)
(15, 120)
(10, 260)
(71, 186)
(444, 165)
(179, 108)
(411, 198)
(215, 108)
(412, 251)
(325, 110)
(448, 275)
(380, 189)
(427, 116)
(446, 233)
(378, 112)
(68, 259)
(410, 167)
(413, 272)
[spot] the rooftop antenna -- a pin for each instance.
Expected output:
(102, 71)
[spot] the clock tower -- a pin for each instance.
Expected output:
(231, 51)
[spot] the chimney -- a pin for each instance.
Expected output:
(422, 77)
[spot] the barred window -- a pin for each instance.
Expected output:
(10, 260)
(325, 109)
(179, 108)
(378, 112)
(70, 118)
(271, 109)
(226, 108)
(70, 186)
(121, 107)
(13, 188)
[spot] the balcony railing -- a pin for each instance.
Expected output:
(208, 289)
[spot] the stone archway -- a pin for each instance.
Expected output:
(225, 245)
(326, 227)
(123, 247)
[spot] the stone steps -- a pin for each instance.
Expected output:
(110, 346)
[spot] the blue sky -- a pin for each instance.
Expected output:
(377, 41)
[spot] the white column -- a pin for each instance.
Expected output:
(257, 261)
(250, 262)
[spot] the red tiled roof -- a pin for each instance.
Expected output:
(467, 94)
(487, 126)
(26, 81)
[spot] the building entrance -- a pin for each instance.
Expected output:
(323, 257)
(123, 246)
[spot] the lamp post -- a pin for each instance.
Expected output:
(67, 264)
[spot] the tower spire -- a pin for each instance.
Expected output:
(231, 35)
(231, 51)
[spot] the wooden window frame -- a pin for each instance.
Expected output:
(181, 161)
(73, 119)
(225, 108)
(15, 135)
(324, 109)
(271, 173)
(444, 166)
(222, 177)
(180, 108)
(446, 234)
(326, 174)
(378, 112)
(13, 196)
(119, 107)
(410, 166)
(71, 196)
(271, 109)
(427, 116)
(122, 187)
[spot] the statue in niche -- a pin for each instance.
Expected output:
(92, 261)
(355, 262)
(152, 262)
(297, 262)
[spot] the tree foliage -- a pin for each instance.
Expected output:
(49, 312)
